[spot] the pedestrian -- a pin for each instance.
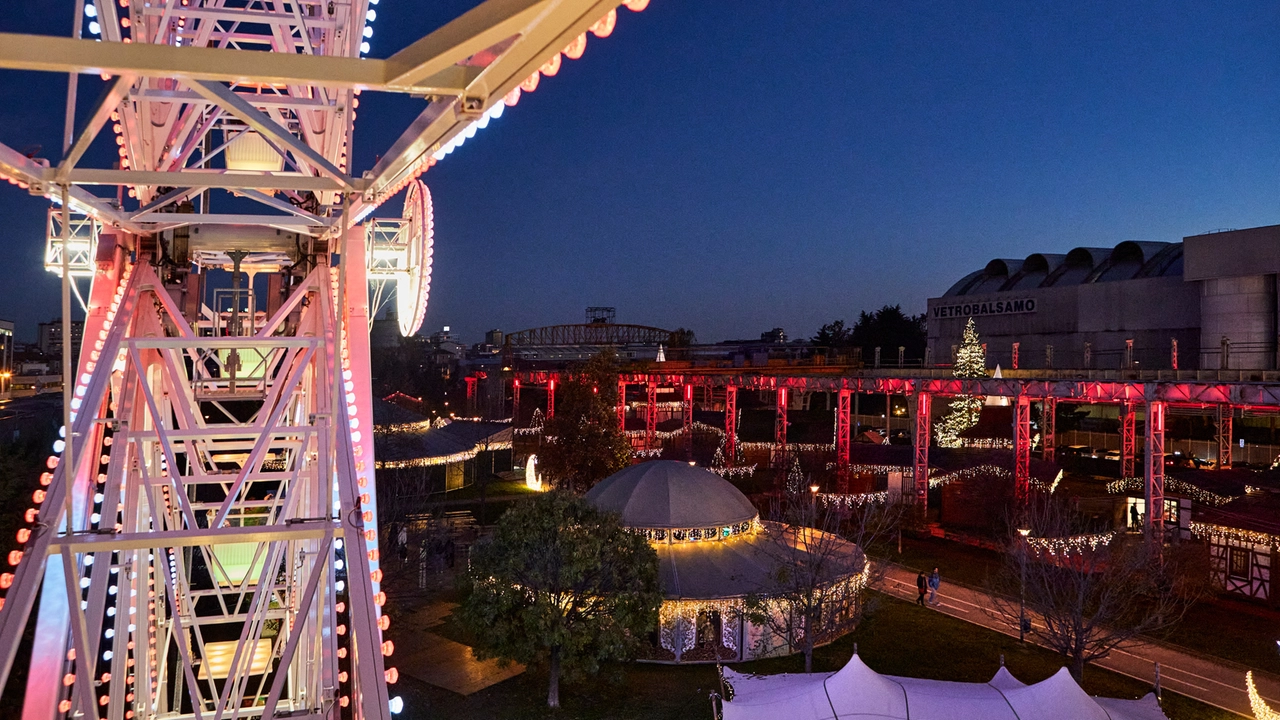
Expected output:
(402, 540)
(934, 582)
(1135, 520)
(920, 588)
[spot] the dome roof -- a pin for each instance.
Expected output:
(673, 495)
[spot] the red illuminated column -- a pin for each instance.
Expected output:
(622, 406)
(1014, 364)
(1224, 435)
(730, 425)
(687, 423)
(920, 441)
(651, 417)
(551, 398)
(1154, 472)
(1128, 439)
(1022, 449)
(842, 442)
(780, 430)
(515, 403)
(471, 396)
(1048, 424)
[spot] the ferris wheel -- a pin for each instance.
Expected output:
(399, 258)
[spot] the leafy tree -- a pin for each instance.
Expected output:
(560, 585)
(971, 362)
(583, 441)
(889, 328)
(682, 337)
(833, 335)
(1090, 597)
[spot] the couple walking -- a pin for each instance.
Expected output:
(929, 585)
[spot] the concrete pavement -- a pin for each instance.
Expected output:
(1216, 682)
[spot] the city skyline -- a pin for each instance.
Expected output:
(853, 156)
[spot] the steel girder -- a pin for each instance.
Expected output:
(213, 551)
(730, 425)
(1154, 471)
(650, 416)
(1128, 439)
(780, 430)
(1022, 449)
(686, 408)
(843, 403)
(1048, 428)
(1224, 435)
(920, 439)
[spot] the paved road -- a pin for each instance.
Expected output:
(1216, 682)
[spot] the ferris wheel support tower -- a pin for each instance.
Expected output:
(205, 541)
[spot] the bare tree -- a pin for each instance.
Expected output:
(815, 589)
(1092, 591)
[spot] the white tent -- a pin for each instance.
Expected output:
(857, 691)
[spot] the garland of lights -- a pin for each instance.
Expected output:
(1181, 487)
(1261, 711)
(440, 460)
(699, 534)
(849, 501)
(1068, 545)
(1224, 533)
(729, 473)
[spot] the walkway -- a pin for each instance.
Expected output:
(442, 662)
(1219, 683)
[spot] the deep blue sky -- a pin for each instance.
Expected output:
(735, 166)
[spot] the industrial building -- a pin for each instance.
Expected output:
(1208, 302)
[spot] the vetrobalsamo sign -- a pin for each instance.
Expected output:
(981, 309)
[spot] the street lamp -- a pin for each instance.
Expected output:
(1022, 598)
(4, 379)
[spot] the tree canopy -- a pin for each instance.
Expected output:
(887, 328)
(560, 585)
(584, 444)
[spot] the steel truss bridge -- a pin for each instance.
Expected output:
(1153, 396)
(205, 541)
(590, 334)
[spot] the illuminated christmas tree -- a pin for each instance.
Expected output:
(971, 362)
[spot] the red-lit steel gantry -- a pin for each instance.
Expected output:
(204, 543)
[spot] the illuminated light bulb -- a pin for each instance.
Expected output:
(51, 462)
(90, 11)
(105, 698)
(15, 557)
(396, 705)
(341, 607)
(59, 445)
(342, 653)
(368, 32)
(97, 497)
(370, 535)
(31, 515)
(339, 586)
(388, 648)
(392, 675)
(95, 518)
(384, 622)
(38, 496)
(24, 535)
(344, 701)
(551, 66)
(342, 629)
(6, 579)
(342, 676)
(604, 26)
(355, 436)
(337, 564)
(95, 28)
(108, 655)
(574, 49)
(64, 706)
(636, 5)
(513, 97)
(380, 599)
(354, 423)
(364, 48)
(68, 680)
(46, 478)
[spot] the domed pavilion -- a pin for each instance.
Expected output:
(714, 552)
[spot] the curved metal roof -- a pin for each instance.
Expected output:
(1127, 260)
(666, 494)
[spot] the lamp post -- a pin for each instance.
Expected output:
(1022, 597)
(813, 503)
(4, 381)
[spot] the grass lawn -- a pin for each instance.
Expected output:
(898, 638)
(1230, 629)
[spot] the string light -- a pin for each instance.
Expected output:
(971, 362)
(1173, 485)
(1261, 711)
(1068, 545)
(1222, 532)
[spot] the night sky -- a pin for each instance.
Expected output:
(735, 166)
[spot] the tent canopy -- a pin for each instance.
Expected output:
(857, 691)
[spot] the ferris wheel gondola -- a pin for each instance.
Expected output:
(399, 255)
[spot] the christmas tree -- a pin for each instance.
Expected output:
(971, 362)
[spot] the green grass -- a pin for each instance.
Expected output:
(897, 638)
(1229, 629)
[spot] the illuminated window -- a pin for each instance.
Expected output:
(1239, 562)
